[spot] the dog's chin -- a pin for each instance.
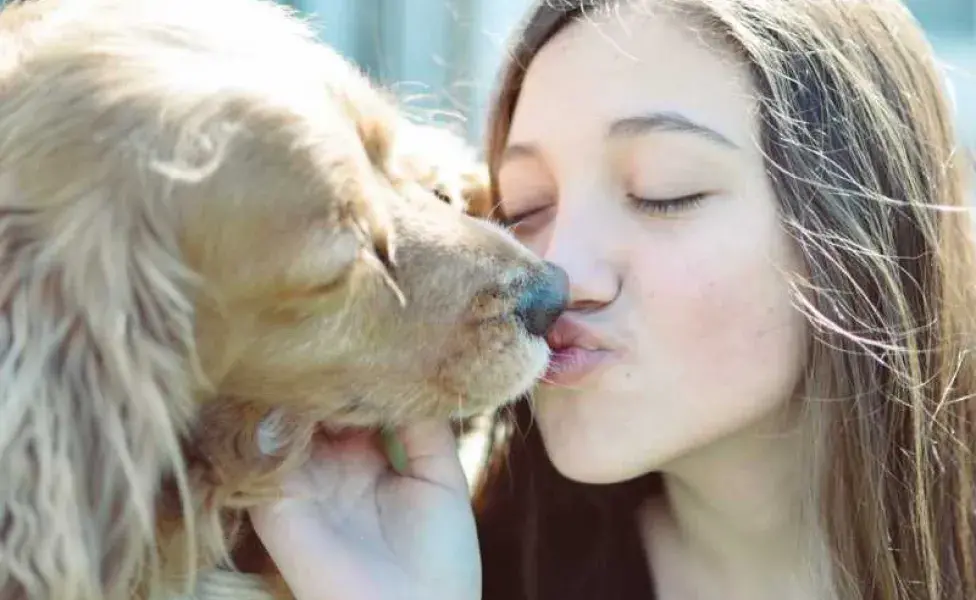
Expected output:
(472, 384)
(506, 389)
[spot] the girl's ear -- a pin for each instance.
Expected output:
(96, 348)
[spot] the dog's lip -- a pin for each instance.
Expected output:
(567, 332)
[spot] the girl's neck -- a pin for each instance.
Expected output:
(734, 521)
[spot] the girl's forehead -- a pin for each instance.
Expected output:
(599, 71)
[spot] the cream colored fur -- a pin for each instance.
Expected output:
(214, 235)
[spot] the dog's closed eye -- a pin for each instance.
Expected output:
(383, 257)
(442, 196)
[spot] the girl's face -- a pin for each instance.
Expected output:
(633, 163)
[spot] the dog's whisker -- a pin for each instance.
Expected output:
(493, 214)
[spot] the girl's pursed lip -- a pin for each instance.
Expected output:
(577, 351)
(569, 333)
(568, 366)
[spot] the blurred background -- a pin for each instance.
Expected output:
(443, 54)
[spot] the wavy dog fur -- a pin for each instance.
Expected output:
(206, 250)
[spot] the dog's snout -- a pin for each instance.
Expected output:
(543, 300)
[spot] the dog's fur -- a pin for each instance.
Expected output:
(215, 233)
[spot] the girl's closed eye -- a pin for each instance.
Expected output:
(529, 220)
(667, 205)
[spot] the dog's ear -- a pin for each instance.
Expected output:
(96, 341)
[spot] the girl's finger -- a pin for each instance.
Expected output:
(431, 454)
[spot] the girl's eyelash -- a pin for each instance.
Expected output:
(654, 205)
(666, 205)
(513, 221)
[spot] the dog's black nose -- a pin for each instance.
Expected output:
(544, 300)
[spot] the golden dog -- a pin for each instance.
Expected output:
(216, 234)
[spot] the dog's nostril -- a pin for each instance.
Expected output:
(544, 300)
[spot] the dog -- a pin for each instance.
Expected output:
(217, 234)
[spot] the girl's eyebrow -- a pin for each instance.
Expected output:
(666, 121)
(514, 151)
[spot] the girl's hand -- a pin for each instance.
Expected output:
(351, 528)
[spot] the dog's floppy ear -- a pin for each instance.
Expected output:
(96, 333)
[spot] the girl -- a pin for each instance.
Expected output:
(763, 386)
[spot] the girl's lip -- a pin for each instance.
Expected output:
(568, 366)
(576, 352)
(568, 333)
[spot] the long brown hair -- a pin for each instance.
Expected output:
(861, 151)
